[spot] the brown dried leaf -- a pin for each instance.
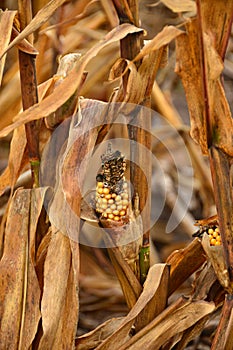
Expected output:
(184, 263)
(188, 66)
(6, 24)
(217, 21)
(158, 302)
(73, 81)
(155, 277)
(59, 308)
(161, 39)
(157, 333)
(17, 160)
(20, 293)
(219, 110)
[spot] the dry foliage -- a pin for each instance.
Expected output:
(55, 292)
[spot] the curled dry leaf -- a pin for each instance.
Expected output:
(41, 17)
(162, 39)
(217, 259)
(24, 45)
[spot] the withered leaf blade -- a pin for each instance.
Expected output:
(152, 284)
(188, 60)
(59, 308)
(20, 292)
(156, 333)
(6, 24)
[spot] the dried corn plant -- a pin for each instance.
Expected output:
(69, 71)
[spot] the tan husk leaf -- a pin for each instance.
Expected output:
(20, 294)
(180, 5)
(155, 280)
(217, 259)
(73, 81)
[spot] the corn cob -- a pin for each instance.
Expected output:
(211, 228)
(112, 193)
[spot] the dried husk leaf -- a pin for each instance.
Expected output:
(94, 338)
(59, 307)
(6, 24)
(204, 282)
(20, 296)
(152, 284)
(217, 259)
(128, 280)
(73, 81)
(157, 333)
